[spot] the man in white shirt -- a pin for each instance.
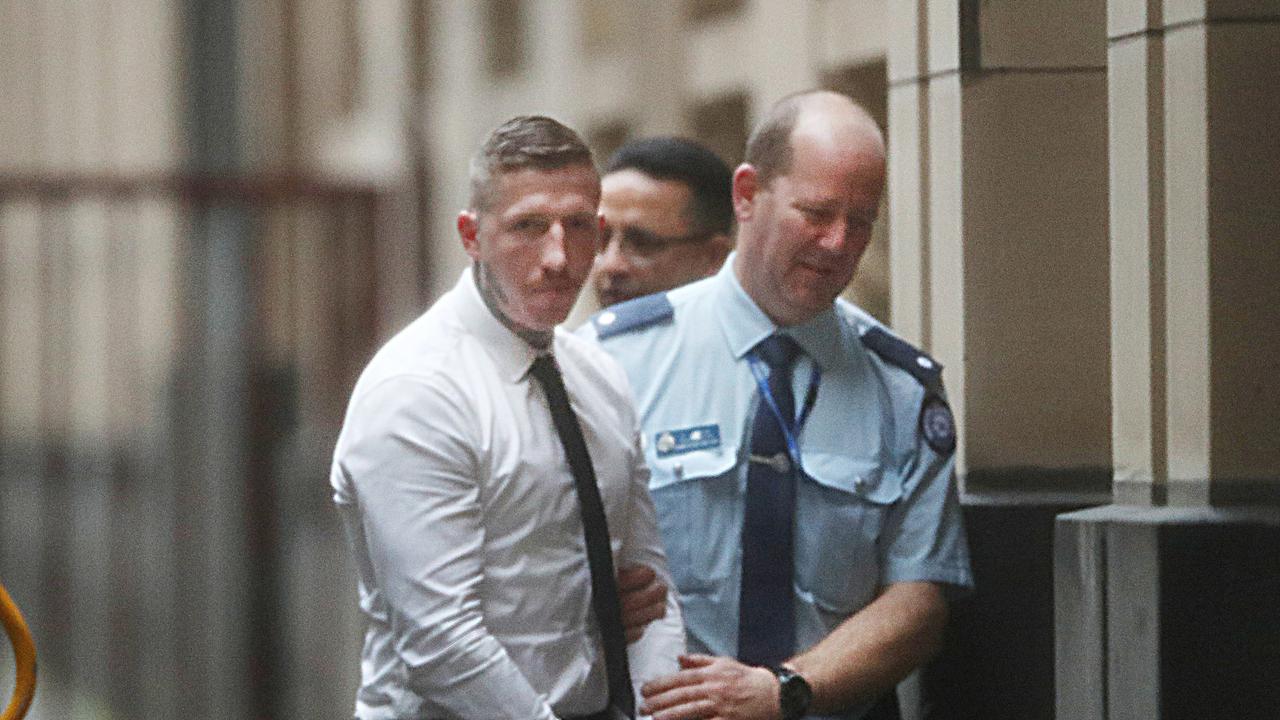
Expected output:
(466, 500)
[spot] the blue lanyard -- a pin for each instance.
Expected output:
(758, 369)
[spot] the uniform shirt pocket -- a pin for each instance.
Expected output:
(841, 504)
(699, 508)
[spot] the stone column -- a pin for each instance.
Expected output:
(1136, 133)
(998, 210)
(998, 202)
(1159, 610)
(1193, 230)
(908, 181)
(1222, 217)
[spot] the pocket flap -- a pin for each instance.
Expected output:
(694, 465)
(862, 477)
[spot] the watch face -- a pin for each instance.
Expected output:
(794, 694)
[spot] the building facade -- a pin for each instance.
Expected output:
(210, 213)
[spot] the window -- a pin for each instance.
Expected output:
(602, 26)
(604, 138)
(504, 37)
(699, 11)
(721, 123)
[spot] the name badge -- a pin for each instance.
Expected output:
(675, 442)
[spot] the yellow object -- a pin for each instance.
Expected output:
(24, 653)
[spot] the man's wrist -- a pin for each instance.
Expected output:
(794, 693)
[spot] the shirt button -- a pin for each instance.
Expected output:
(859, 483)
(607, 317)
(678, 469)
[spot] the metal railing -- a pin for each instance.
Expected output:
(24, 658)
(176, 355)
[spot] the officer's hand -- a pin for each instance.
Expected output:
(643, 597)
(713, 687)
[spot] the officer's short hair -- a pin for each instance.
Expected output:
(769, 147)
(525, 141)
(709, 179)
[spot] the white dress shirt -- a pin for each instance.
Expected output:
(464, 521)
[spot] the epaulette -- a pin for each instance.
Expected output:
(903, 354)
(633, 314)
(936, 424)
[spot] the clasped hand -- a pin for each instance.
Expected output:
(713, 688)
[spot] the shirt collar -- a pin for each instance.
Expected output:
(510, 353)
(745, 324)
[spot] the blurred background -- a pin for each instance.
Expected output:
(212, 212)
(210, 215)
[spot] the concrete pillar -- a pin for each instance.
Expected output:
(1136, 134)
(1163, 613)
(1222, 218)
(1194, 257)
(1160, 610)
(997, 124)
(998, 222)
(908, 181)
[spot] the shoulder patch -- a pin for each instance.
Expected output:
(903, 354)
(633, 314)
(937, 426)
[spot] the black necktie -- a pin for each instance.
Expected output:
(766, 626)
(604, 588)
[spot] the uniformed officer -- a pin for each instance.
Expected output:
(668, 218)
(801, 455)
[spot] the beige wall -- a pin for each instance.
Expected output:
(659, 70)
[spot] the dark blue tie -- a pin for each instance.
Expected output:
(766, 626)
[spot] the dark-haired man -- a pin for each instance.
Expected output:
(801, 456)
(668, 218)
(488, 472)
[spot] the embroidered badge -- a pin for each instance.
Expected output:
(937, 425)
(675, 442)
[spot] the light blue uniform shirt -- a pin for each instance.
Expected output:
(875, 505)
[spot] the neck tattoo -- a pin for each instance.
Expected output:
(493, 298)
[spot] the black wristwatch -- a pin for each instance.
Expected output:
(793, 692)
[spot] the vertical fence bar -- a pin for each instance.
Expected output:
(56, 625)
(22, 561)
(125, 625)
(176, 458)
(88, 483)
